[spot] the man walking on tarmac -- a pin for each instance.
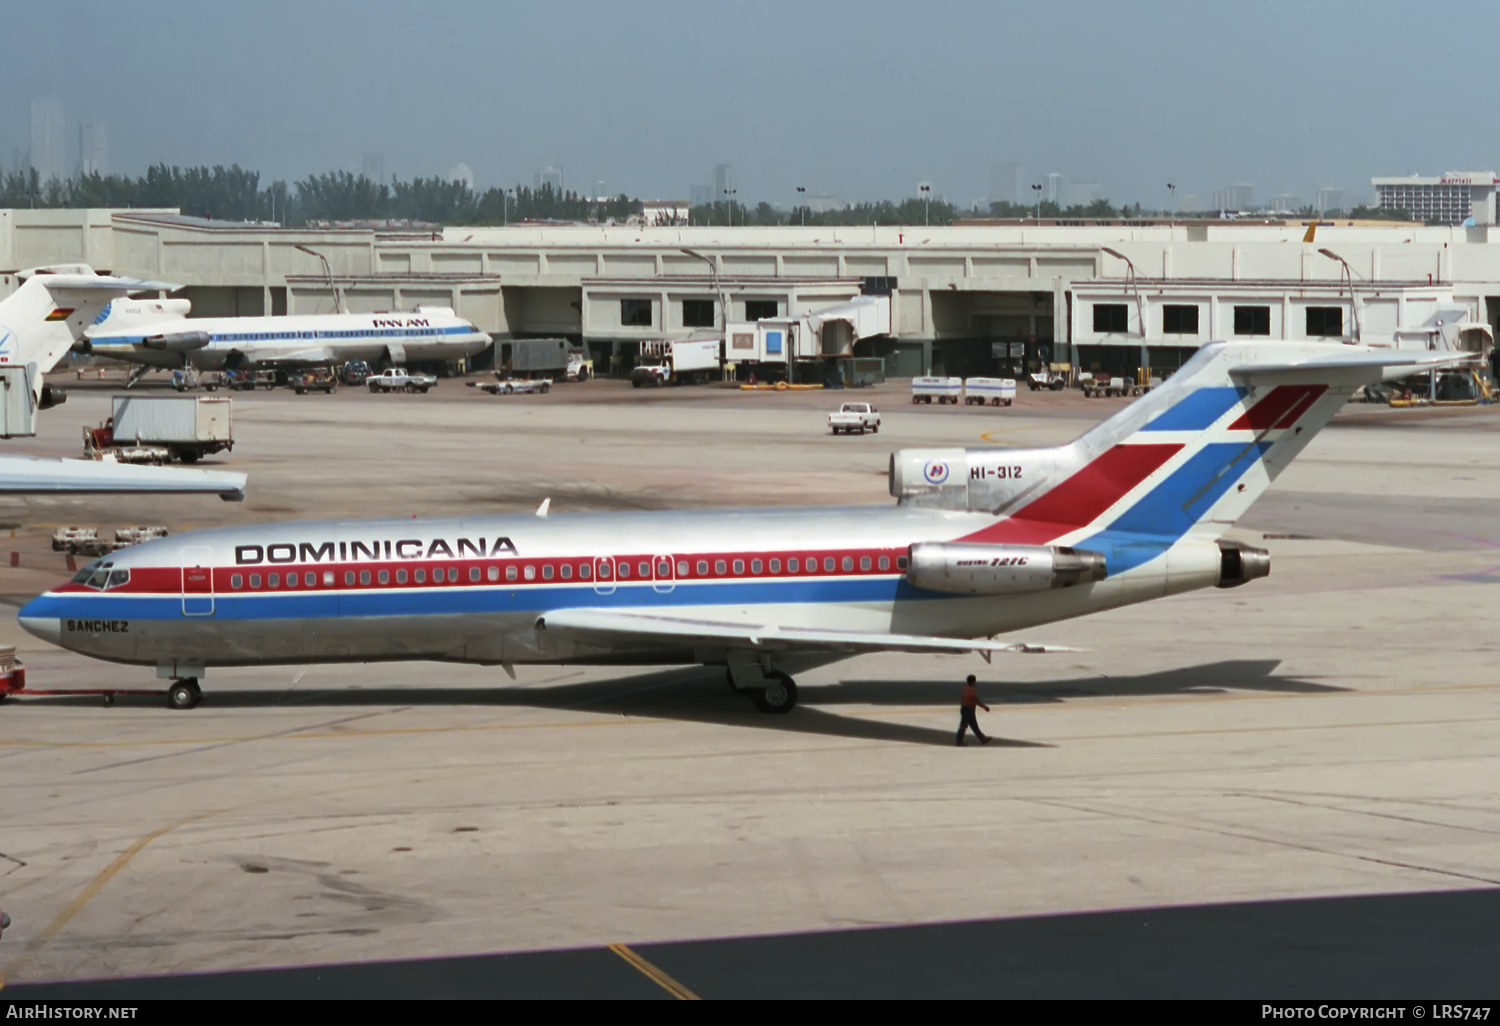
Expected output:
(967, 719)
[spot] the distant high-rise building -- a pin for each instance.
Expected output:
(374, 166)
(552, 177)
(1452, 198)
(1053, 192)
(47, 145)
(1240, 196)
(1286, 203)
(92, 144)
(700, 195)
(1329, 199)
(724, 184)
(1006, 184)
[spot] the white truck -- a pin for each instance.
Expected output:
(551, 358)
(994, 391)
(944, 390)
(852, 417)
(399, 379)
(691, 361)
(161, 428)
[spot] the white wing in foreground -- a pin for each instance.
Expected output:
(22, 475)
(651, 627)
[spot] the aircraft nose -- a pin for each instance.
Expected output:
(38, 623)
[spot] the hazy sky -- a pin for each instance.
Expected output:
(860, 99)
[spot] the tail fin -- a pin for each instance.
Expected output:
(41, 320)
(1188, 458)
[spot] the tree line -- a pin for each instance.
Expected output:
(236, 194)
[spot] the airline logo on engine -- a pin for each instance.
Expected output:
(382, 549)
(936, 472)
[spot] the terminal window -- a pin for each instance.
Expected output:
(1325, 322)
(635, 313)
(762, 309)
(697, 313)
(1179, 320)
(1111, 318)
(1252, 320)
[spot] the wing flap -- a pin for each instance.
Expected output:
(652, 626)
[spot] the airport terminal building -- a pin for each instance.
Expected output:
(977, 299)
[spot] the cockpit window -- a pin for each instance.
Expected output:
(117, 578)
(102, 576)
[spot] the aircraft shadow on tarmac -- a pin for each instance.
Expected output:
(696, 695)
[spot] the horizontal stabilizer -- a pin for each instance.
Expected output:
(21, 475)
(667, 629)
(1392, 362)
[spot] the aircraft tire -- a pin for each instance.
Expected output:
(185, 694)
(779, 697)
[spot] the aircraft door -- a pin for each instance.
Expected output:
(663, 578)
(604, 575)
(197, 581)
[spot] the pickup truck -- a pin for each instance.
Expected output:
(399, 379)
(513, 387)
(853, 417)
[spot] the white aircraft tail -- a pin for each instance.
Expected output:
(1188, 458)
(41, 320)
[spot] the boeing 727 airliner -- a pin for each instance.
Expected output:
(981, 542)
(158, 333)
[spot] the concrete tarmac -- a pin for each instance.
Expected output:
(1326, 732)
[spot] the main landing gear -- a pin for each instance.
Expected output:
(184, 694)
(776, 694)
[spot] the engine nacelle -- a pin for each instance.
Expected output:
(982, 480)
(1240, 563)
(51, 396)
(961, 568)
(182, 342)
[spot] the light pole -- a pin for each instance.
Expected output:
(338, 302)
(1140, 309)
(729, 195)
(505, 207)
(926, 191)
(1038, 190)
(802, 204)
(1172, 203)
(1348, 273)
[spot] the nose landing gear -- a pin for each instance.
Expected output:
(184, 694)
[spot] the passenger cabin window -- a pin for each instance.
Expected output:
(900, 562)
(1325, 322)
(547, 572)
(624, 570)
(1179, 320)
(274, 581)
(827, 562)
(1111, 318)
(364, 577)
(529, 573)
(494, 573)
(635, 313)
(755, 566)
(775, 566)
(702, 567)
(400, 576)
(1252, 320)
(885, 562)
(739, 566)
(697, 313)
(567, 571)
(585, 571)
(791, 565)
(255, 580)
(420, 576)
(327, 578)
(719, 566)
(762, 309)
(644, 568)
(682, 569)
(385, 577)
(236, 581)
(510, 573)
(848, 563)
(474, 574)
(453, 575)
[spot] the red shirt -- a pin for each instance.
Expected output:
(971, 698)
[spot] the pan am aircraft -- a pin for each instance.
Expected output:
(981, 542)
(157, 334)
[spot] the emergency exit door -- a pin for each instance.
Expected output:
(197, 581)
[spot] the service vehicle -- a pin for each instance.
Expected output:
(994, 391)
(1107, 386)
(162, 428)
(944, 390)
(511, 386)
(686, 362)
(321, 379)
(245, 380)
(355, 372)
(1051, 380)
(399, 379)
(852, 417)
(85, 541)
(12, 674)
(554, 358)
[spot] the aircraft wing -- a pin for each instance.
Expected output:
(610, 623)
(22, 475)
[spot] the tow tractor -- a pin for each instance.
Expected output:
(13, 685)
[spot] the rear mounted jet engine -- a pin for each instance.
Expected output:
(1240, 563)
(182, 342)
(968, 569)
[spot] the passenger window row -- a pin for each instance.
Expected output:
(623, 570)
